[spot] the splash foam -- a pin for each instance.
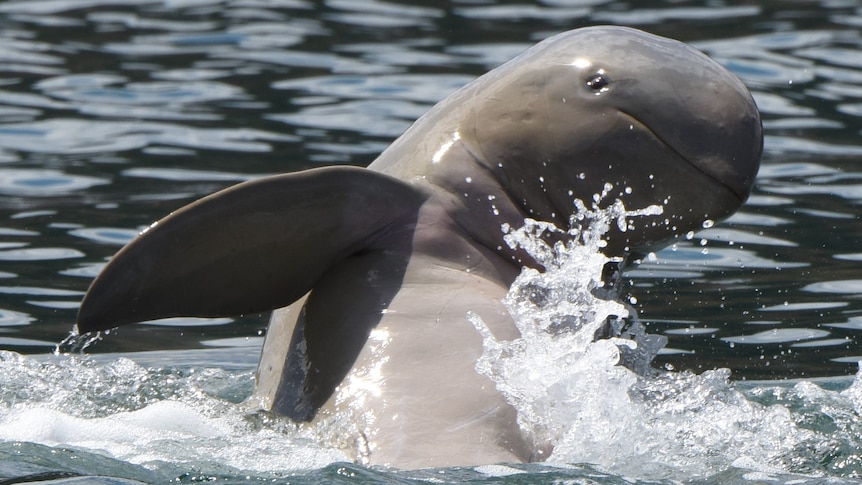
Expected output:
(573, 395)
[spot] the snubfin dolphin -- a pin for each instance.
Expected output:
(371, 272)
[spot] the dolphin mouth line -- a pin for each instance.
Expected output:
(688, 160)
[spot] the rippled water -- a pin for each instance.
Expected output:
(113, 113)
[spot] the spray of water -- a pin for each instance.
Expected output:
(585, 398)
(159, 420)
(558, 315)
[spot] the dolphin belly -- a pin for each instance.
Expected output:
(412, 396)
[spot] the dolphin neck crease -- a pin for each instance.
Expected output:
(468, 201)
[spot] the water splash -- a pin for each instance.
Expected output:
(582, 385)
(157, 423)
(559, 312)
(76, 343)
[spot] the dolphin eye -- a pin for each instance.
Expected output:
(598, 82)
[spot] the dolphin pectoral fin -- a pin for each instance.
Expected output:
(253, 247)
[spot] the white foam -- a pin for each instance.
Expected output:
(571, 392)
(498, 470)
(107, 408)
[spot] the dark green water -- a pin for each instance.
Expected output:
(114, 113)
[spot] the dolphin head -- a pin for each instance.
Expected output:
(654, 119)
